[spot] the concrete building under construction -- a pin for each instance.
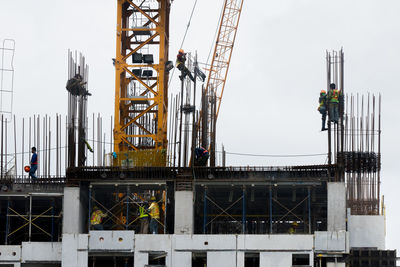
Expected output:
(208, 214)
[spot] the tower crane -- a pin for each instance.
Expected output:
(141, 81)
(218, 71)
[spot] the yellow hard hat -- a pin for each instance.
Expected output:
(153, 198)
(181, 51)
(295, 224)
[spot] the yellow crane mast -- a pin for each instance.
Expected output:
(141, 82)
(225, 41)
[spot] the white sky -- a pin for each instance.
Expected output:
(276, 73)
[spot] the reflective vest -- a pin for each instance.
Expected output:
(96, 217)
(322, 100)
(334, 96)
(142, 212)
(154, 210)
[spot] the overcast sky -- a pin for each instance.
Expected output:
(276, 73)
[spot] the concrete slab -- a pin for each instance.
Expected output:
(111, 241)
(41, 252)
(275, 259)
(204, 242)
(275, 242)
(10, 253)
(74, 251)
(73, 221)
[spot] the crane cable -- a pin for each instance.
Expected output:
(184, 37)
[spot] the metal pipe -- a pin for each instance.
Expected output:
(205, 211)
(309, 210)
(52, 220)
(270, 210)
(244, 210)
(7, 222)
(127, 207)
(89, 207)
(30, 218)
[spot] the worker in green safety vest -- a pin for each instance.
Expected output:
(144, 219)
(334, 96)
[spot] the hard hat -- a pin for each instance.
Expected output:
(181, 51)
(95, 208)
(323, 92)
(153, 198)
(27, 168)
(294, 224)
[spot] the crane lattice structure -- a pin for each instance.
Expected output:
(141, 102)
(218, 72)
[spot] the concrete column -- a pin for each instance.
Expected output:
(275, 259)
(184, 212)
(221, 258)
(336, 207)
(181, 259)
(73, 217)
(75, 250)
(240, 259)
(141, 259)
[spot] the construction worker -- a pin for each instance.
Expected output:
(76, 86)
(154, 211)
(33, 163)
(97, 218)
(333, 103)
(180, 64)
(322, 108)
(292, 229)
(144, 219)
(201, 156)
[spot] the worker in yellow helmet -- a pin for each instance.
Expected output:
(154, 212)
(180, 64)
(144, 219)
(322, 108)
(292, 229)
(97, 218)
(334, 97)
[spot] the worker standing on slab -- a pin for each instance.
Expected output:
(154, 211)
(334, 96)
(97, 218)
(322, 108)
(180, 64)
(292, 229)
(33, 163)
(144, 219)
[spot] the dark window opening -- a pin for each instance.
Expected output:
(300, 259)
(199, 259)
(252, 260)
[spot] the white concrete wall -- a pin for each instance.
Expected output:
(336, 207)
(334, 264)
(41, 252)
(276, 242)
(219, 259)
(75, 250)
(10, 253)
(184, 212)
(367, 231)
(111, 240)
(73, 219)
(182, 259)
(275, 259)
(331, 241)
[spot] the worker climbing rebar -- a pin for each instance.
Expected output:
(322, 108)
(334, 98)
(180, 64)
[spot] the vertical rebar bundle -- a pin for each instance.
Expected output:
(362, 155)
(77, 109)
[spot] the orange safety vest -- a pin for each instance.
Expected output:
(96, 217)
(154, 210)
